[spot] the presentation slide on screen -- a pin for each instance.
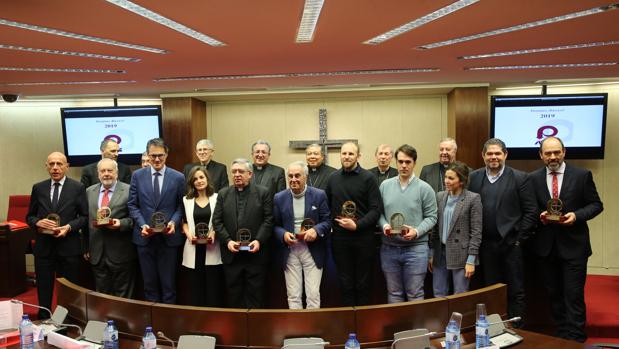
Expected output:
(84, 135)
(524, 127)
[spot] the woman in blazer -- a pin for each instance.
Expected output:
(456, 237)
(202, 259)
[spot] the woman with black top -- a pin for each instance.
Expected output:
(201, 253)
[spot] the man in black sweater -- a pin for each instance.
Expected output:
(355, 205)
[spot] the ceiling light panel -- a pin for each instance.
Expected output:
(458, 5)
(68, 53)
(537, 50)
(309, 19)
(79, 36)
(63, 70)
(300, 75)
(543, 66)
(528, 25)
(155, 17)
(70, 83)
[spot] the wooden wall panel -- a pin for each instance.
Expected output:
(468, 115)
(184, 123)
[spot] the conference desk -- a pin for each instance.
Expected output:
(267, 328)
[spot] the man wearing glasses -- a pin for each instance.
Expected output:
(217, 172)
(109, 150)
(155, 204)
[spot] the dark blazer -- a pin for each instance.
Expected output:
(391, 172)
(316, 208)
(258, 219)
(431, 174)
(114, 243)
(72, 209)
(217, 172)
(90, 175)
(464, 236)
(142, 203)
(579, 195)
(516, 208)
(273, 178)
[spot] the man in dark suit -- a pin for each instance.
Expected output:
(264, 173)
(509, 218)
(218, 173)
(562, 244)
(111, 252)
(383, 170)
(58, 210)
(434, 174)
(248, 206)
(303, 249)
(319, 172)
(109, 150)
(157, 189)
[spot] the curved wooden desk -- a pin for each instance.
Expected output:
(267, 328)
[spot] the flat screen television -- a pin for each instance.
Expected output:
(83, 130)
(523, 121)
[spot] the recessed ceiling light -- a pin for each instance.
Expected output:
(298, 75)
(79, 36)
(536, 50)
(68, 53)
(64, 70)
(528, 25)
(458, 5)
(69, 83)
(155, 17)
(307, 27)
(543, 66)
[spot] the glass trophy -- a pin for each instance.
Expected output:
(397, 223)
(158, 223)
(54, 218)
(554, 208)
(201, 234)
(244, 236)
(104, 217)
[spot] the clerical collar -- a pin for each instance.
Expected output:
(383, 172)
(260, 168)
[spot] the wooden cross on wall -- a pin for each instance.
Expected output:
(324, 143)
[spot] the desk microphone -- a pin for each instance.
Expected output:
(292, 345)
(429, 334)
(50, 320)
(516, 318)
(161, 335)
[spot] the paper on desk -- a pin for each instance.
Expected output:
(10, 314)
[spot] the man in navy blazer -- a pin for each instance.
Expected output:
(303, 247)
(563, 246)
(57, 247)
(157, 188)
(509, 218)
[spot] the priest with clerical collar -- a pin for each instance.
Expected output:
(319, 172)
(264, 173)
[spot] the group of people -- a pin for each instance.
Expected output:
(449, 221)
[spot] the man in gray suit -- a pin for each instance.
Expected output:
(109, 149)
(434, 174)
(264, 173)
(111, 251)
(509, 218)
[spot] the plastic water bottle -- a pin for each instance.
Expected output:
(110, 336)
(352, 342)
(482, 337)
(26, 335)
(149, 341)
(452, 332)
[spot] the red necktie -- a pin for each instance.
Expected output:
(555, 185)
(105, 201)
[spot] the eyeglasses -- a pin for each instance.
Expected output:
(155, 156)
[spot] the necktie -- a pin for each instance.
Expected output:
(156, 190)
(55, 195)
(555, 185)
(105, 201)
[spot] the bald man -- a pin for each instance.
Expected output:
(58, 210)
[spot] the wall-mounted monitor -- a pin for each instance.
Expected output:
(523, 121)
(83, 130)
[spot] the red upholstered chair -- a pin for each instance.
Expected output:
(18, 207)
